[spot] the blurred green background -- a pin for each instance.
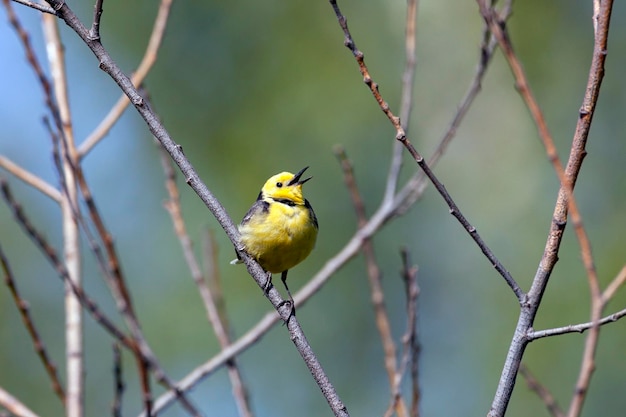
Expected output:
(250, 90)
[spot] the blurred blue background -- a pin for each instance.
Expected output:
(250, 91)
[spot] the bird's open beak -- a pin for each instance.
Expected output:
(296, 178)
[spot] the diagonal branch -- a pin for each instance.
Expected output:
(40, 348)
(107, 64)
(402, 137)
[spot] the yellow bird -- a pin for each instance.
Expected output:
(280, 229)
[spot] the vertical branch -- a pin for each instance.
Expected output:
(69, 200)
(374, 276)
(119, 381)
(402, 137)
(412, 347)
(601, 21)
(406, 103)
(555, 235)
(217, 321)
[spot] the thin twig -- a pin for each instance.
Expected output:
(24, 309)
(411, 344)
(118, 377)
(406, 102)
(52, 257)
(575, 328)
(500, 32)
(402, 137)
(374, 278)
(14, 406)
(32, 60)
(418, 182)
(614, 285)
(218, 323)
(37, 6)
(107, 64)
(550, 255)
(30, 179)
(542, 392)
(143, 351)
(94, 32)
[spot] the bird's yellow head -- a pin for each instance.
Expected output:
(285, 186)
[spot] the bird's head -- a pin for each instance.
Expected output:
(285, 186)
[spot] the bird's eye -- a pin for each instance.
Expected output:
(279, 184)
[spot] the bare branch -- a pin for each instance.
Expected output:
(213, 314)
(614, 285)
(297, 336)
(15, 406)
(24, 309)
(374, 276)
(30, 179)
(576, 328)
(37, 6)
(94, 32)
(542, 392)
(119, 381)
(412, 346)
(52, 257)
(550, 255)
(406, 104)
(402, 137)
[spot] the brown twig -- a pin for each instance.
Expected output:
(406, 101)
(31, 58)
(614, 285)
(214, 317)
(51, 255)
(374, 277)
(402, 137)
(418, 182)
(411, 343)
(90, 305)
(24, 309)
(550, 256)
(542, 392)
(118, 377)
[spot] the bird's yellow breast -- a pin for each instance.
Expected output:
(281, 236)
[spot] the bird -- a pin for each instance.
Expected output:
(280, 229)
